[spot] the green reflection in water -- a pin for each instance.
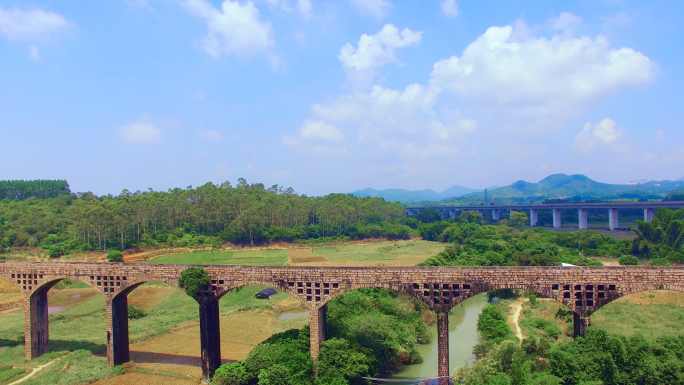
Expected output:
(462, 338)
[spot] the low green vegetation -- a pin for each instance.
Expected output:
(379, 251)
(371, 332)
(600, 358)
(238, 257)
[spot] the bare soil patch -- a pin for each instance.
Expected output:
(301, 256)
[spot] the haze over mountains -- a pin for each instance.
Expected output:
(554, 186)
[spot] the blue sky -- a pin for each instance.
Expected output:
(334, 96)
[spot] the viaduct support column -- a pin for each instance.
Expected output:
(496, 214)
(556, 218)
(613, 219)
(36, 333)
(443, 348)
(581, 324)
(582, 219)
(648, 214)
(117, 330)
(452, 213)
(210, 337)
(317, 325)
(533, 217)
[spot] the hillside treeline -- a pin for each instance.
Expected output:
(24, 189)
(207, 215)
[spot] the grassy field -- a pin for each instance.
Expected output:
(399, 253)
(651, 313)
(239, 257)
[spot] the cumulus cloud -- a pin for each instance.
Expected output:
(375, 8)
(234, 29)
(318, 130)
(507, 68)
(381, 108)
(374, 52)
(213, 135)
(602, 134)
(139, 132)
(449, 7)
(32, 25)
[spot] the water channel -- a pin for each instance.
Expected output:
(462, 338)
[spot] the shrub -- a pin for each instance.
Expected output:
(135, 312)
(628, 260)
(192, 279)
(660, 262)
(115, 256)
(55, 251)
(233, 373)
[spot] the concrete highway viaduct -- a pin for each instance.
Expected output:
(582, 289)
(612, 207)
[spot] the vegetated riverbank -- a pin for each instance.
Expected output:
(548, 354)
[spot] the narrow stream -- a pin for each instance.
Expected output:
(462, 338)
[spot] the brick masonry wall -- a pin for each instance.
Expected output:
(583, 289)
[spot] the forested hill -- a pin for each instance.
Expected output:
(562, 186)
(23, 189)
(207, 215)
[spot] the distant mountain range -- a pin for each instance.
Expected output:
(559, 186)
(408, 196)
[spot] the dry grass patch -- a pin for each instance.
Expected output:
(147, 297)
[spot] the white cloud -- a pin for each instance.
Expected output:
(375, 8)
(449, 7)
(318, 130)
(601, 134)
(213, 135)
(504, 68)
(381, 109)
(374, 52)
(234, 29)
(139, 132)
(566, 22)
(32, 25)
(304, 8)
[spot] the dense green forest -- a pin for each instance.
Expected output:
(24, 189)
(207, 215)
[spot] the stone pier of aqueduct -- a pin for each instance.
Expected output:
(582, 289)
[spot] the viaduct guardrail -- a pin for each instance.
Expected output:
(582, 289)
(612, 207)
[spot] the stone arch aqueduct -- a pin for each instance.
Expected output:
(582, 289)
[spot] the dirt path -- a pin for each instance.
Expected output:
(515, 317)
(34, 371)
